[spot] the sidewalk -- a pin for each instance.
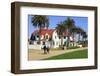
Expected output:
(38, 55)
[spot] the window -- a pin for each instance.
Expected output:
(53, 43)
(64, 43)
(59, 37)
(64, 37)
(56, 43)
(55, 37)
(46, 36)
(37, 36)
(43, 43)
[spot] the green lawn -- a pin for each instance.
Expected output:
(71, 55)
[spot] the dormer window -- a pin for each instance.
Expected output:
(46, 36)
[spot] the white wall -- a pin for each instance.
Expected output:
(5, 30)
(55, 39)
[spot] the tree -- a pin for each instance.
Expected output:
(79, 32)
(69, 23)
(84, 37)
(40, 21)
(74, 32)
(60, 30)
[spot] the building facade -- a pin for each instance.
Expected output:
(50, 35)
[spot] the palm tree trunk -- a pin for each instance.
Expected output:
(40, 35)
(68, 41)
(73, 39)
(79, 38)
(61, 41)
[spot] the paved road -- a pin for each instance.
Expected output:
(38, 55)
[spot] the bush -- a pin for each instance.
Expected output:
(74, 47)
(85, 45)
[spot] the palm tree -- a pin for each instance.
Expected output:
(60, 30)
(84, 36)
(73, 32)
(69, 23)
(79, 32)
(40, 21)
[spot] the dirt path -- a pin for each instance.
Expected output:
(37, 55)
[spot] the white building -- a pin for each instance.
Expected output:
(48, 35)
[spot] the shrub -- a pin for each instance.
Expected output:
(73, 47)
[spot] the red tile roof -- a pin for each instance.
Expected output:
(66, 34)
(45, 31)
(49, 32)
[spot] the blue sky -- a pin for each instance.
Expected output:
(54, 20)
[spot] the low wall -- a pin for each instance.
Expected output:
(36, 47)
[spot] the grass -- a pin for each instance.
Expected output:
(71, 55)
(57, 49)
